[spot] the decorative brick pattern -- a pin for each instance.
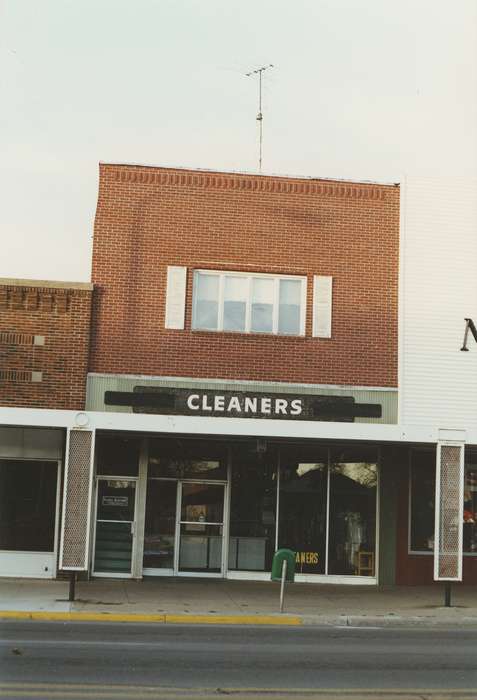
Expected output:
(43, 346)
(149, 218)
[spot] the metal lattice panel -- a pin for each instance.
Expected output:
(77, 501)
(450, 480)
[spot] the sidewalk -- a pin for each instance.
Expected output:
(238, 602)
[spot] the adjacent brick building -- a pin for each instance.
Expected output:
(44, 343)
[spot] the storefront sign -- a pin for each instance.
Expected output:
(241, 404)
(122, 501)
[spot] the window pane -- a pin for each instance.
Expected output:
(117, 455)
(235, 303)
(352, 538)
(252, 509)
(206, 302)
(160, 524)
(262, 305)
(289, 308)
(27, 505)
(302, 510)
(423, 484)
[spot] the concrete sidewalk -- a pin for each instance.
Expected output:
(238, 602)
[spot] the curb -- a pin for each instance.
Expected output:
(283, 620)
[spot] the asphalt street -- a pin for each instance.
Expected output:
(57, 659)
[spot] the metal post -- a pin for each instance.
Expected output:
(447, 594)
(71, 595)
(282, 586)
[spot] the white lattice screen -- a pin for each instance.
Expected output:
(77, 501)
(449, 512)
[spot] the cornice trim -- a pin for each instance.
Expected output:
(247, 184)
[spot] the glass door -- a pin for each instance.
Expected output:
(200, 527)
(115, 524)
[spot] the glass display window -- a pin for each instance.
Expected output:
(27, 505)
(352, 517)
(302, 507)
(117, 455)
(422, 500)
(253, 507)
(187, 459)
(470, 506)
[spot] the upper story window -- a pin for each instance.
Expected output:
(249, 303)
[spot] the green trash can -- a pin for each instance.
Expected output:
(279, 557)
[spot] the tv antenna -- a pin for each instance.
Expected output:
(259, 72)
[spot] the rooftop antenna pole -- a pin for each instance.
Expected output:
(259, 115)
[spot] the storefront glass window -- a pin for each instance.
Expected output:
(159, 530)
(187, 459)
(117, 455)
(253, 508)
(352, 526)
(423, 487)
(302, 506)
(27, 505)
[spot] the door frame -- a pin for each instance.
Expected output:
(103, 574)
(224, 524)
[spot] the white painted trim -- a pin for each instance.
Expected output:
(322, 306)
(175, 297)
(401, 295)
(65, 489)
(253, 427)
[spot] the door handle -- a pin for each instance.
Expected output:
(133, 529)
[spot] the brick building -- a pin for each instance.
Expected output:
(245, 363)
(44, 349)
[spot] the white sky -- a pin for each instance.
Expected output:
(364, 89)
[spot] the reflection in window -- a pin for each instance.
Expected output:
(302, 526)
(235, 303)
(262, 305)
(160, 523)
(187, 459)
(253, 509)
(352, 538)
(289, 307)
(206, 302)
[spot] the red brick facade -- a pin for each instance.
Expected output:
(148, 218)
(44, 343)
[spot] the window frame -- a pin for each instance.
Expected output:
(249, 276)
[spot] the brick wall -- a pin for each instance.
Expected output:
(148, 218)
(44, 343)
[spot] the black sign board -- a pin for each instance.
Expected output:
(241, 404)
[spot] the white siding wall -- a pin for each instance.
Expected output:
(438, 383)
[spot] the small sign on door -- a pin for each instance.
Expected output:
(115, 501)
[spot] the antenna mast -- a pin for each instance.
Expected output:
(259, 71)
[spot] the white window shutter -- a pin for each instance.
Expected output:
(322, 302)
(175, 296)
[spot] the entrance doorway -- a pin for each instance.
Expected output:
(115, 527)
(184, 528)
